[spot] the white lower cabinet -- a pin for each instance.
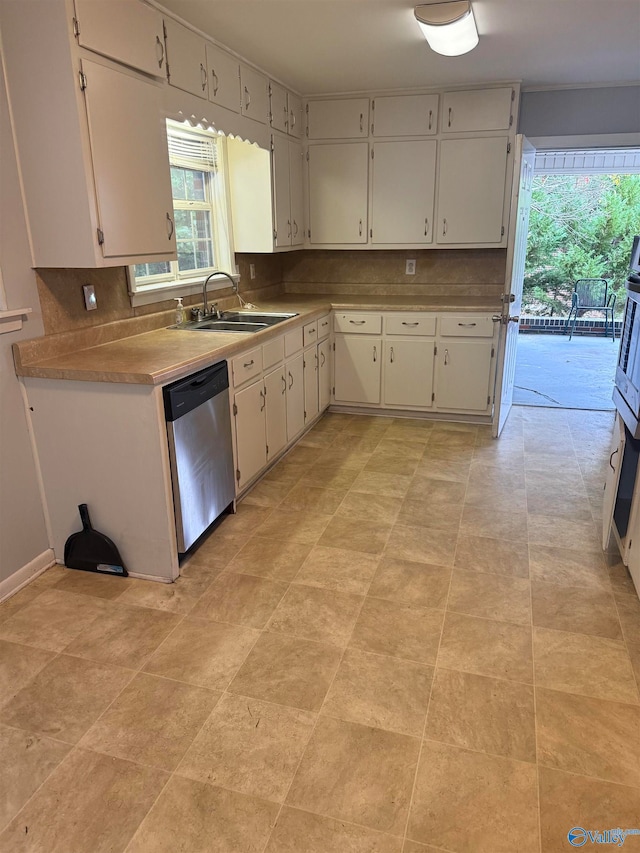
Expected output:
(463, 375)
(251, 446)
(358, 374)
(324, 374)
(408, 373)
(295, 396)
(275, 389)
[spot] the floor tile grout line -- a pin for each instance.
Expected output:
(535, 716)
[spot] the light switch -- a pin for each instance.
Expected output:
(90, 301)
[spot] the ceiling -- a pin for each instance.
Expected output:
(327, 46)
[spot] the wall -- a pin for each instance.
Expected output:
(580, 112)
(23, 534)
(439, 272)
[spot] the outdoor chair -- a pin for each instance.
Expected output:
(591, 294)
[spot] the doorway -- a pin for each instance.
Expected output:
(585, 210)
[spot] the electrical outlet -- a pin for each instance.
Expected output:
(252, 271)
(90, 300)
(410, 268)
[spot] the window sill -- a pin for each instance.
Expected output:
(165, 290)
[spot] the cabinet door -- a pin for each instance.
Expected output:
(224, 78)
(342, 119)
(296, 194)
(294, 125)
(279, 108)
(130, 163)
(404, 178)
(255, 94)
(479, 109)
(310, 384)
(251, 445)
(281, 194)
(471, 190)
(129, 32)
(295, 396)
(405, 115)
(275, 389)
(186, 59)
(324, 374)
(338, 192)
(408, 373)
(463, 373)
(357, 362)
(612, 478)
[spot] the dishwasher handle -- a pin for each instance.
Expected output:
(187, 394)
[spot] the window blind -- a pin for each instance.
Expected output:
(192, 150)
(612, 161)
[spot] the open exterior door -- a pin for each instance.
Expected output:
(524, 163)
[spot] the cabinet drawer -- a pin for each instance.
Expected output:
(293, 342)
(324, 326)
(272, 352)
(359, 324)
(310, 333)
(246, 366)
(469, 326)
(410, 324)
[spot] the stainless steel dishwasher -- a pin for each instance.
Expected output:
(200, 450)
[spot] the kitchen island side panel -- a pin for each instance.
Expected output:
(105, 444)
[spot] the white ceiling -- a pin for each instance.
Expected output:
(320, 46)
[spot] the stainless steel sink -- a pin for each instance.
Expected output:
(235, 321)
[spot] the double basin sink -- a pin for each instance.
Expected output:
(235, 321)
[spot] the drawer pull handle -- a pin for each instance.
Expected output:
(290, 380)
(170, 227)
(391, 355)
(295, 228)
(444, 227)
(323, 358)
(249, 363)
(467, 325)
(404, 323)
(426, 226)
(430, 118)
(325, 323)
(357, 322)
(446, 356)
(611, 458)
(360, 228)
(312, 331)
(361, 122)
(375, 354)
(203, 73)
(160, 44)
(247, 98)
(450, 116)
(293, 120)
(284, 384)
(264, 402)
(214, 77)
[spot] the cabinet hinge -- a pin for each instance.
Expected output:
(307, 156)
(333, 390)
(334, 346)
(510, 120)
(513, 95)
(83, 80)
(372, 153)
(235, 409)
(508, 148)
(435, 349)
(433, 396)
(306, 130)
(493, 351)
(309, 232)
(267, 446)
(489, 400)
(76, 27)
(305, 416)
(502, 231)
(273, 145)
(100, 236)
(371, 233)
(238, 474)
(275, 234)
(630, 544)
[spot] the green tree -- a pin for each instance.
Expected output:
(581, 226)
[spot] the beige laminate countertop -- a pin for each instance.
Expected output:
(162, 355)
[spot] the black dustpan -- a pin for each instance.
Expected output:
(92, 551)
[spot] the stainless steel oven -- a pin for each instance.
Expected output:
(626, 393)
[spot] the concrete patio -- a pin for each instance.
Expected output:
(553, 371)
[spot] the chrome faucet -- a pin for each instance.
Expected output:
(205, 307)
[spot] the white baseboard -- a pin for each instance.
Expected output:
(9, 586)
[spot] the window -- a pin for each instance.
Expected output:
(201, 217)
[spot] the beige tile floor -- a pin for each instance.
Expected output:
(406, 640)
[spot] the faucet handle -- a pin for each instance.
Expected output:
(197, 314)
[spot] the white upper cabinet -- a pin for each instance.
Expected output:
(404, 115)
(130, 163)
(477, 110)
(126, 31)
(403, 190)
(279, 107)
(224, 78)
(186, 59)
(471, 190)
(338, 184)
(339, 119)
(254, 94)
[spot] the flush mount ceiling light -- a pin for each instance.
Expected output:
(449, 26)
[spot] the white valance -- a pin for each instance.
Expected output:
(602, 161)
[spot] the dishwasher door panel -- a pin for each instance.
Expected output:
(201, 467)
